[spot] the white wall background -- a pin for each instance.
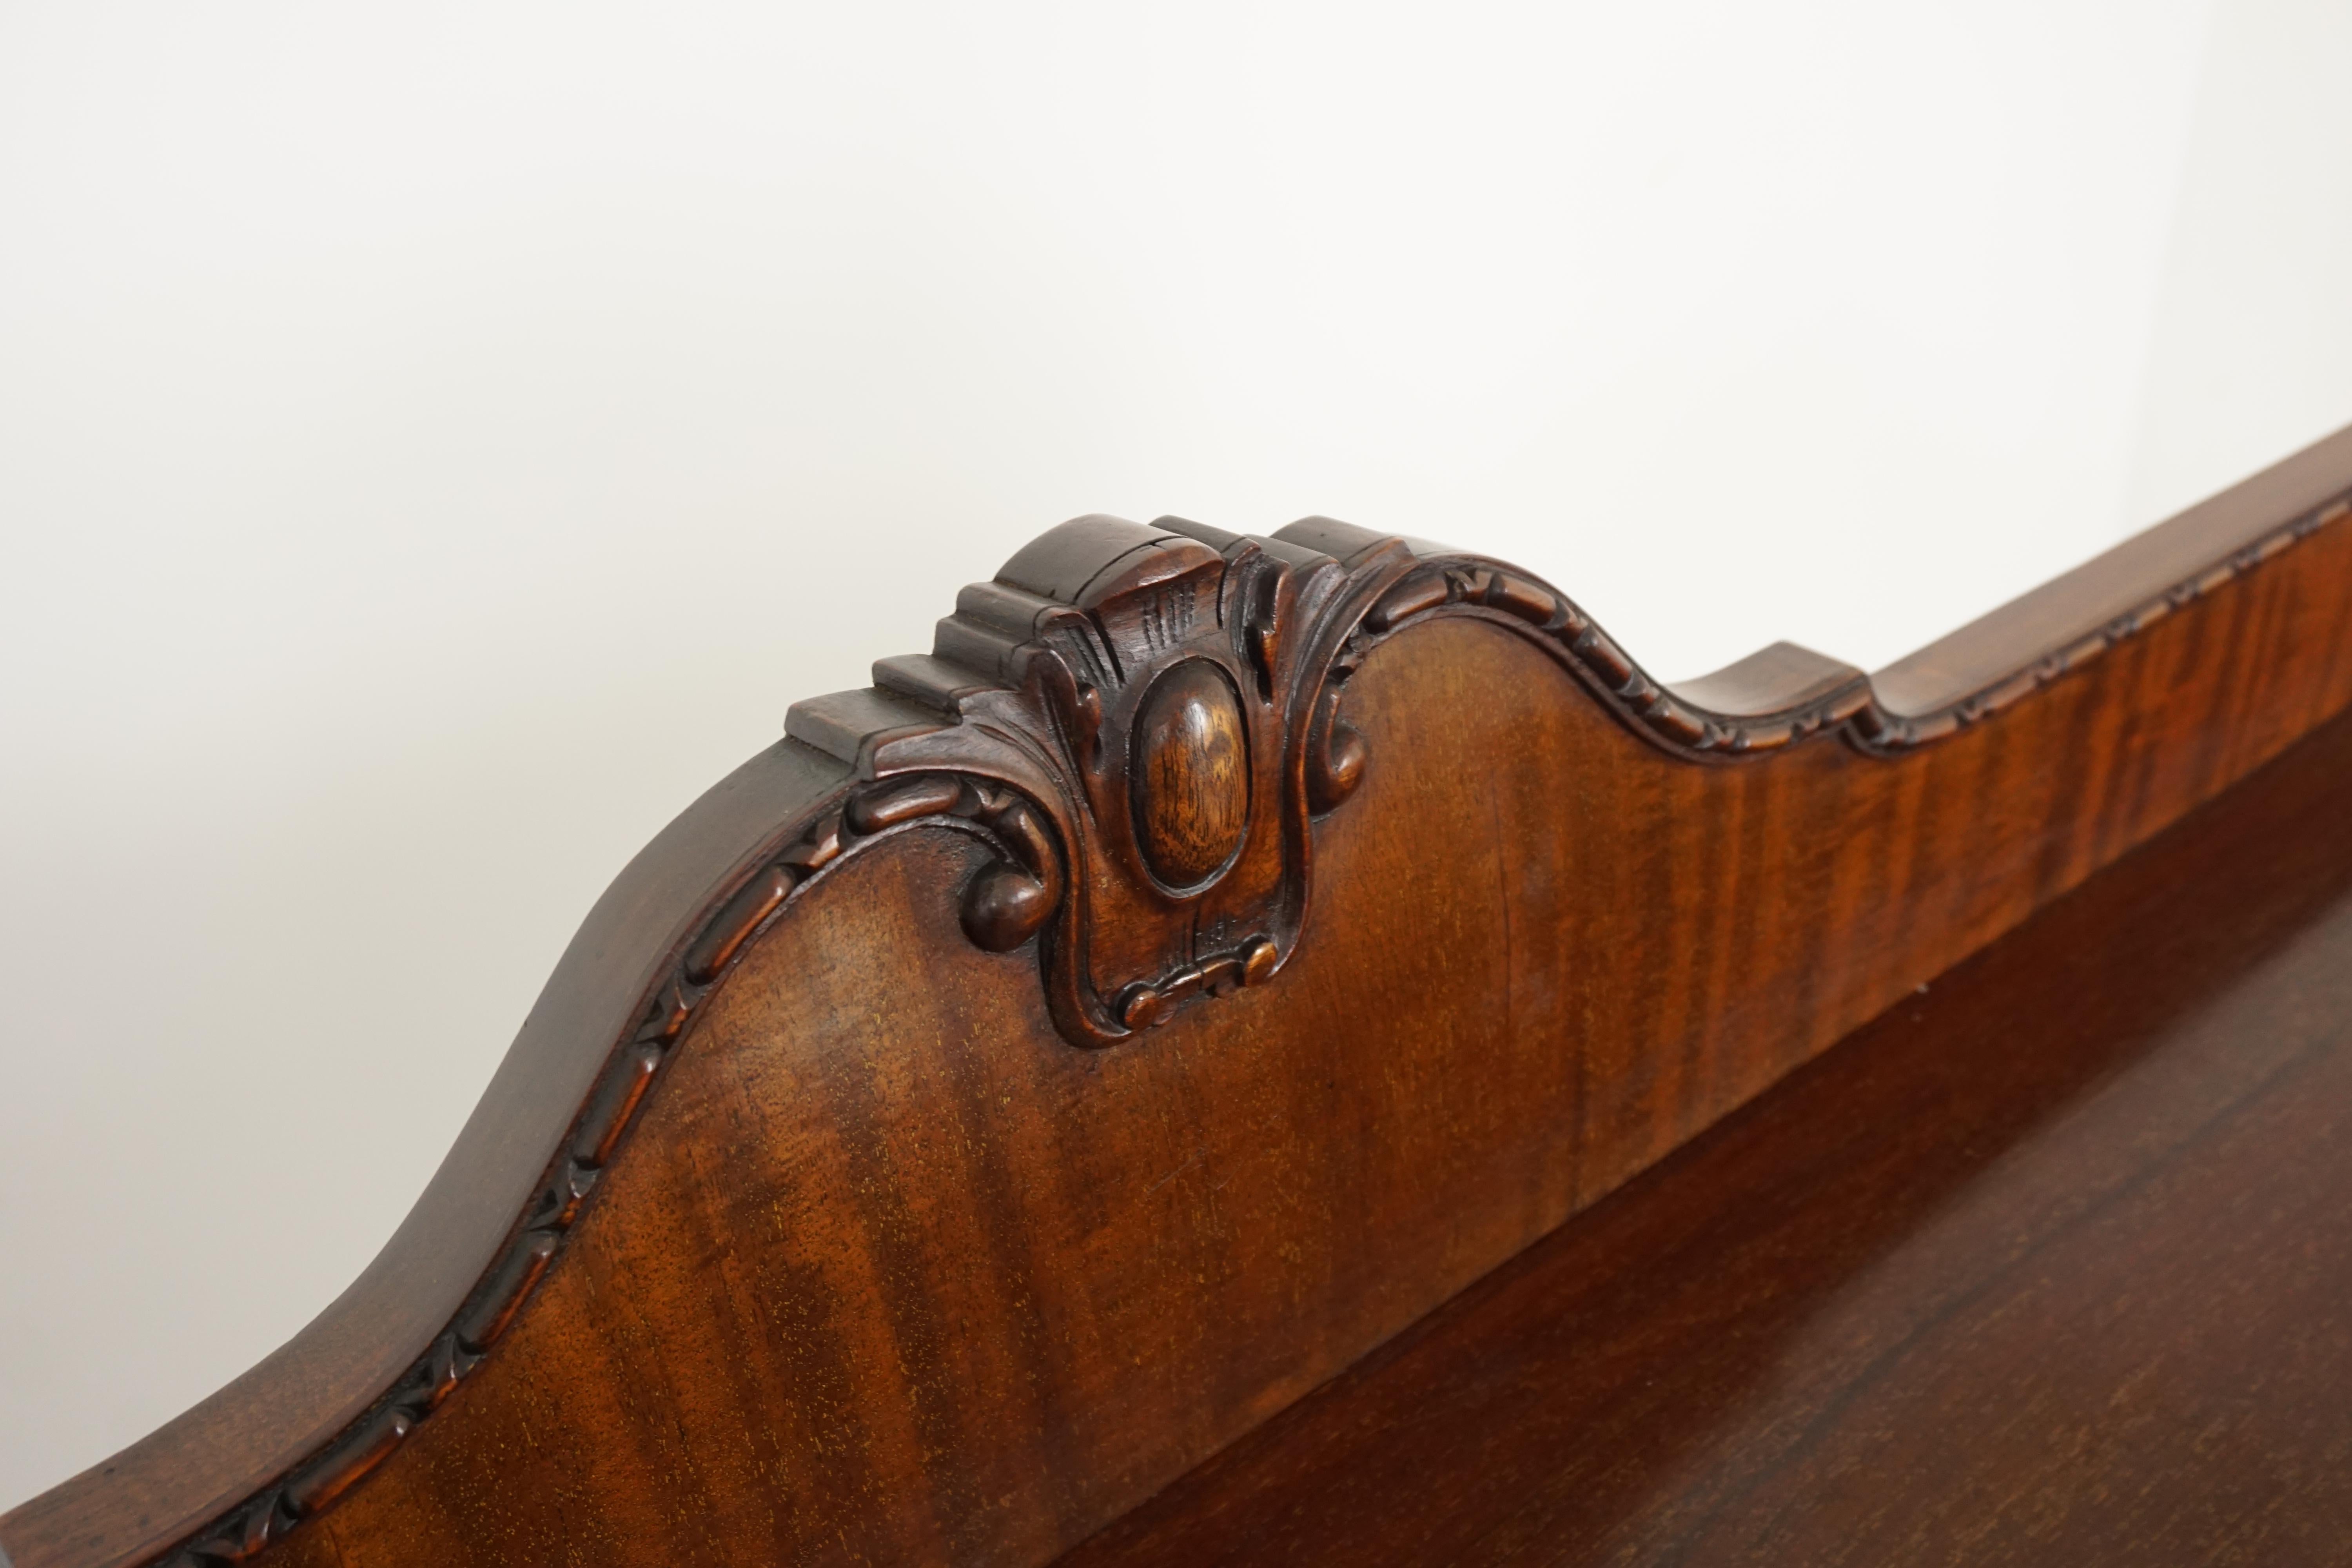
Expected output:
(436, 441)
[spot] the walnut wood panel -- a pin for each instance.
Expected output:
(795, 1227)
(2052, 1264)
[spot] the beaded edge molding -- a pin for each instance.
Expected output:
(1438, 585)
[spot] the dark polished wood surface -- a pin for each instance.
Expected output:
(2053, 1264)
(905, 1163)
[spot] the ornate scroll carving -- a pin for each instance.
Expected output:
(1142, 717)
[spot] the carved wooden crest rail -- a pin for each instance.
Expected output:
(1143, 721)
(1118, 762)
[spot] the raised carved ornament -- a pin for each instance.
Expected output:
(1141, 720)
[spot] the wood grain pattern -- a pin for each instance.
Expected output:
(2051, 1264)
(792, 1228)
(1191, 774)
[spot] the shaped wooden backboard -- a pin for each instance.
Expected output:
(1041, 1066)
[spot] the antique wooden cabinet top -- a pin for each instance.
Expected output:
(975, 1128)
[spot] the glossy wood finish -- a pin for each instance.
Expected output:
(2051, 1264)
(1192, 772)
(796, 1229)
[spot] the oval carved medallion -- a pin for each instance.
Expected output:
(1191, 774)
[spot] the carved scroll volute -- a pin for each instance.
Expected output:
(1159, 730)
